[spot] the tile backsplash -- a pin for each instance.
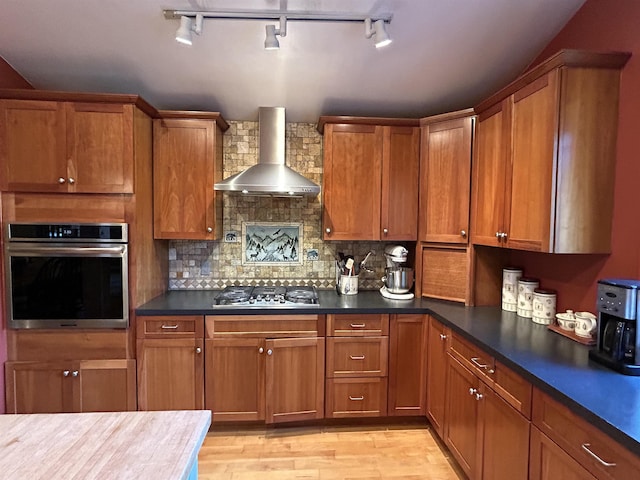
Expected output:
(216, 264)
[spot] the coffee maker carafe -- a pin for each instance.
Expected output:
(618, 309)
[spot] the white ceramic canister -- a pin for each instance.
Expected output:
(544, 306)
(510, 277)
(526, 286)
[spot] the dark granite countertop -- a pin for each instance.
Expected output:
(551, 362)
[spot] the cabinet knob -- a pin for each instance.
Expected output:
(443, 336)
(198, 350)
(72, 180)
(478, 396)
(463, 233)
(504, 236)
(269, 352)
(61, 180)
(261, 350)
(498, 235)
(385, 230)
(66, 373)
(472, 391)
(74, 373)
(328, 230)
(209, 229)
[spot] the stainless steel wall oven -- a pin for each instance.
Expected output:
(66, 275)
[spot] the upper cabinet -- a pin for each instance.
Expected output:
(445, 177)
(544, 161)
(370, 185)
(187, 162)
(69, 143)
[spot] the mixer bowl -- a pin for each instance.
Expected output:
(398, 279)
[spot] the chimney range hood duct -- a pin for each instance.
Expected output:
(270, 176)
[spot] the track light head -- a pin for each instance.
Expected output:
(183, 34)
(271, 41)
(378, 30)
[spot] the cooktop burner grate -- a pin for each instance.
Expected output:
(267, 297)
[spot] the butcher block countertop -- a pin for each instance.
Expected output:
(112, 445)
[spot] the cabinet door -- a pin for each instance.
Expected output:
(32, 146)
(407, 365)
(550, 462)
(351, 188)
(39, 387)
(400, 177)
(295, 379)
(183, 179)
(445, 181)
(105, 386)
(171, 374)
(535, 127)
(235, 383)
(437, 374)
(505, 439)
(489, 173)
(462, 432)
(99, 147)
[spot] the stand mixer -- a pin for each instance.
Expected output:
(397, 280)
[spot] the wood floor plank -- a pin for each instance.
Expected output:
(326, 453)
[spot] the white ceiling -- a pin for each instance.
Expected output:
(446, 54)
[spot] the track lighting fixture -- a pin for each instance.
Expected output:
(374, 27)
(377, 29)
(183, 34)
(271, 42)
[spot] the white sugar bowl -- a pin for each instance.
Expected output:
(566, 320)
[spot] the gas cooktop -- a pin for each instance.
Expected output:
(267, 297)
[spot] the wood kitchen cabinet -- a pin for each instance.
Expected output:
(187, 162)
(445, 177)
(407, 365)
(370, 186)
(437, 368)
(70, 386)
(264, 368)
(487, 414)
(70, 143)
(170, 362)
(565, 443)
(544, 163)
(357, 365)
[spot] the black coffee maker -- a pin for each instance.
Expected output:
(618, 309)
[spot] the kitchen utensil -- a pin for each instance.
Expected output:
(364, 261)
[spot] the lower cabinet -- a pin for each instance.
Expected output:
(437, 374)
(170, 362)
(252, 376)
(70, 386)
(407, 365)
(550, 462)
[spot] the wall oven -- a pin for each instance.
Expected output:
(66, 275)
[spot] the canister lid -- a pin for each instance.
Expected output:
(545, 291)
(529, 280)
(512, 269)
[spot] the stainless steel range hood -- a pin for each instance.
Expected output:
(270, 176)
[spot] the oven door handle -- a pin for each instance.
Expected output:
(49, 250)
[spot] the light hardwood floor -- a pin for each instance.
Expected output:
(400, 452)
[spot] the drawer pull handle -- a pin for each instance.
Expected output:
(357, 325)
(356, 357)
(475, 361)
(169, 327)
(356, 399)
(585, 447)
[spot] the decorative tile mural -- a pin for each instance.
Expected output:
(213, 265)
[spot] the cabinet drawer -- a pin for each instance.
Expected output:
(472, 357)
(361, 357)
(356, 397)
(578, 438)
(187, 326)
(272, 326)
(352, 325)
